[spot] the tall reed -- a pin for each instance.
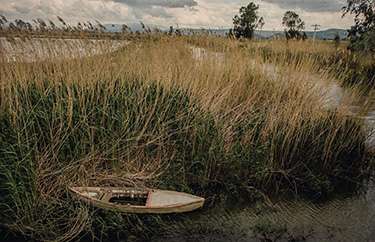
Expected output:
(219, 123)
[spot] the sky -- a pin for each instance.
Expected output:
(181, 13)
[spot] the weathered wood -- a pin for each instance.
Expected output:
(156, 201)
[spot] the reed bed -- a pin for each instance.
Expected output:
(354, 69)
(219, 124)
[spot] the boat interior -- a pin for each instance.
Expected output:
(119, 197)
(129, 198)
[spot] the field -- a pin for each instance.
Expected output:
(220, 118)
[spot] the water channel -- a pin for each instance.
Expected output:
(347, 218)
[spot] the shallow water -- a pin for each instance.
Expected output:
(345, 219)
(350, 218)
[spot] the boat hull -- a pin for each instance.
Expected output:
(177, 202)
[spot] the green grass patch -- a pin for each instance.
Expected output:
(127, 133)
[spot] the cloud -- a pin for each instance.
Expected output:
(310, 5)
(184, 13)
(110, 11)
(159, 3)
(71, 10)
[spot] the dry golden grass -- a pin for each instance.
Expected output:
(159, 111)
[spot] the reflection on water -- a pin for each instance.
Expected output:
(345, 219)
(361, 107)
(334, 95)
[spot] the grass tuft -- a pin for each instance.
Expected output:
(218, 124)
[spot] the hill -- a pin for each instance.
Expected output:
(328, 34)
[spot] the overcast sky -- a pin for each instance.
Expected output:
(185, 13)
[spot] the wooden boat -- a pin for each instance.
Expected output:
(144, 201)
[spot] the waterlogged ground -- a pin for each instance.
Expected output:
(344, 219)
(349, 218)
(333, 94)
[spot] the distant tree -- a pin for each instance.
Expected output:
(247, 21)
(294, 25)
(304, 36)
(171, 30)
(337, 40)
(230, 34)
(178, 32)
(362, 33)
